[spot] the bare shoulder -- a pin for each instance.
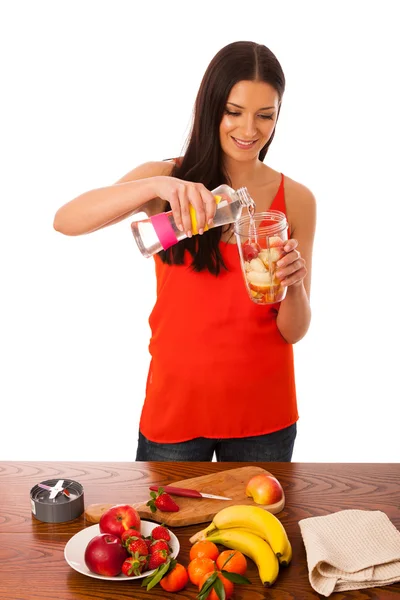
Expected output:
(298, 196)
(149, 169)
(300, 205)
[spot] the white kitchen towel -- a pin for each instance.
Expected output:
(351, 550)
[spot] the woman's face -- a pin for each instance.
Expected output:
(249, 119)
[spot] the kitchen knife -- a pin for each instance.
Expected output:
(177, 491)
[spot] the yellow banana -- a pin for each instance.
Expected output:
(252, 546)
(260, 521)
(285, 558)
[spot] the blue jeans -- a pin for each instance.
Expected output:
(272, 447)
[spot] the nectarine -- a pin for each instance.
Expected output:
(264, 489)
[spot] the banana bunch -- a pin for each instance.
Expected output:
(256, 533)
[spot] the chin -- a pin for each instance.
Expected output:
(241, 155)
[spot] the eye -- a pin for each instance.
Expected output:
(269, 117)
(232, 114)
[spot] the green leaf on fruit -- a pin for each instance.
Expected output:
(150, 504)
(235, 577)
(228, 559)
(219, 589)
(155, 577)
(172, 564)
(207, 585)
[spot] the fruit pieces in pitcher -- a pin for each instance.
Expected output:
(260, 267)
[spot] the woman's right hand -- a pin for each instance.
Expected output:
(181, 194)
(139, 190)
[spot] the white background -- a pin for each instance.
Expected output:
(90, 90)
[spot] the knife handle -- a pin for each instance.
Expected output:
(177, 491)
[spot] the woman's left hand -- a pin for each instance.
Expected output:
(291, 268)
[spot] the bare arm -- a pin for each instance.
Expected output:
(92, 210)
(294, 314)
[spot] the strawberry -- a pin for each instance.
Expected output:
(160, 533)
(137, 546)
(128, 533)
(159, 545)
(250, 250)
(148, 541)
(157, 558)
(162, 501)
(134, 565)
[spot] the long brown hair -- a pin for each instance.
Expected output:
(239, 61)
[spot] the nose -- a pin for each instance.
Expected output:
(249, 127)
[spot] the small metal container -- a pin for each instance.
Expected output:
(65, 506)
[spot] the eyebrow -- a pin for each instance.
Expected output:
(263, 108)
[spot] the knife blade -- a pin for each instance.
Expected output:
(177, 491)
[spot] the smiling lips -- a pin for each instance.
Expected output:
(243, 145)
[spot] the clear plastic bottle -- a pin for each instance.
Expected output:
(160, 231)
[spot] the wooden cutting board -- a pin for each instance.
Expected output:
(231, 483)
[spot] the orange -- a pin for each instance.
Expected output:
(204, 548)
(228, 587)
(237, 562)
(175, 580)
(199, 567)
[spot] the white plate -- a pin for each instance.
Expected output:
(74, 551)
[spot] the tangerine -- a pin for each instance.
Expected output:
(204, 548)
(176, 579)
(228, 587)
(198, 567)
(232, 561)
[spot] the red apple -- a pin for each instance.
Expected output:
(264, 489)
(105, 555)
(118, 519)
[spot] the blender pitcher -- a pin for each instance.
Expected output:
(260, 239)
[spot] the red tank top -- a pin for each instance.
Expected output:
(219, 365)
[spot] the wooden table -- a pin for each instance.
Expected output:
(32, 564)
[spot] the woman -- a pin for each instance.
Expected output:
(221, 377)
